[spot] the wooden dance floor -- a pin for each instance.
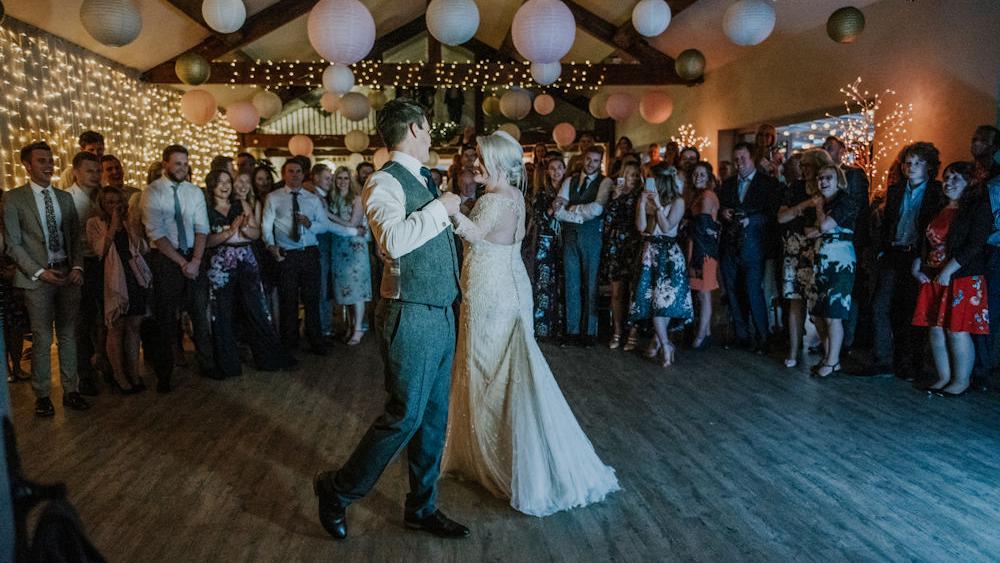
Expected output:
(724, 457)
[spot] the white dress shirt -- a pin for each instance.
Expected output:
(584, 211)
(38, 192)
(277, 222)
(84, 210)
(397, 233)
(157, 202)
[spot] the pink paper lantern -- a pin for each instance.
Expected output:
(330, 102)
(300, 145)
(544, 104)
(656, 107)
(342, 31)
(198, 106)
(564, 134)
(242, 116)
(621, 106)
(543, 30)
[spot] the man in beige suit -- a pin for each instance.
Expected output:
(43, 239)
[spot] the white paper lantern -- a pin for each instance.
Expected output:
(491, 105)
(354, 160)
(432, 159)
(621, 106)
(354, 106)
(380, 157)
(268, 104)
(242, 116)
(564, 134)
(544, 104)
(512, 130)
(543, 30)
(330, 102)
(655, 107)
(515, 104)
(224, 16)
(341, 31)
(452, 22)
(111, 22)
(300, 145)
(651, 17)
(377, 99)
(198, 106)
(338, 79)
(546, 73)
(356, 141)
(748, 22)
(596, 106)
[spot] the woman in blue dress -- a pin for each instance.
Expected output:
(350, 267)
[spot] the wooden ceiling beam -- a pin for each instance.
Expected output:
(191, 9)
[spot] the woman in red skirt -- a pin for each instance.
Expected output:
(951, 271)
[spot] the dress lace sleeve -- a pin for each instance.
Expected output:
(494, 218)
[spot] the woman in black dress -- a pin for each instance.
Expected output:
(621, 250)
(543, 258)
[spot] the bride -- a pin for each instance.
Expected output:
(509, 426)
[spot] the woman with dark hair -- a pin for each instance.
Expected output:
(127, 279)
(836, 213)
(951, 272)
(234, 276)
(621, 250)
(539, 159)
(662, 292)
(263, 184)
(543, 256)
(350, 267)
(703, 254)
(623, 149)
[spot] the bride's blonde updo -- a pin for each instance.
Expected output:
(502, 158)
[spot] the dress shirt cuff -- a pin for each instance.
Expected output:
(78, 268)
(439, 213)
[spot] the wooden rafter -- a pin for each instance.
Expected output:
(630, 44)
(191, 9)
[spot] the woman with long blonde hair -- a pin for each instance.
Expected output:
(350, 266)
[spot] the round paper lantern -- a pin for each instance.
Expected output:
(452, 22)
(651, 17)
(690, 64)
(544, 104)
(564, 134)
(515, 104)
(377, 99)
(354, 106)
(543, 30)
(432, 159)
(354, 160)
(546, 73)
(491, 105)
(198, 106)
(242, 116)
(748, 22)
(224, 16)
(300, 145)
(338, 79)
(512, 130)
(655, 107)
(111, 22)
(845, 25)
(268, 104)
(621, 106)
(192, 69)
(341, 31)
(330, 102)
(380, 157)
(597, 105)
(356, 141)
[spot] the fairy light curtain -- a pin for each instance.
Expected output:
(53, 90)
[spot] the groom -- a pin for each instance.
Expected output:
(417, 330)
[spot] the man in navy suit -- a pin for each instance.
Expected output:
(747, 203)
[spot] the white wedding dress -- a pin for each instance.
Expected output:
(509, 426)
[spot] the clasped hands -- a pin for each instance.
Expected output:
(55, 277)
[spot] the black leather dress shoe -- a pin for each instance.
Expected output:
(332, 515)
(75, 401)
(44, 408)
(439, 525)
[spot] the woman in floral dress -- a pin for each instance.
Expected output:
(542, 250)
(350, 267)
(621, 250)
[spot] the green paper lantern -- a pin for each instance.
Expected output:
(845, 25)
(192, 69)
(690, 64)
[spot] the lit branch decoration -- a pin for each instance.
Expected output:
(687, 137)
(877, 135)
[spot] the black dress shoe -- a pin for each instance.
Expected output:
(44, 408)
(332, 515)
(439, 525)
(569, 340)
(588, 341)
(88, 387)
(75, 401)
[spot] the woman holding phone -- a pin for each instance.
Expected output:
(621, 249)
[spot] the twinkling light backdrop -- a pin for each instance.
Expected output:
(54, 90)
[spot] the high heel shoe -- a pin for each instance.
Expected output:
(833, 369)
(356, 338)
(653, 350)
(615, 342)
(668, 356)
(791, 362)
(117, 389)
(631, 343)
(705, 343)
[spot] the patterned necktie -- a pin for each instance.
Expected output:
(182, 242)
(429, 180)
(55, 243)
(296, 227)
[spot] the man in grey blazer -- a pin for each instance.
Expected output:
(43, 239)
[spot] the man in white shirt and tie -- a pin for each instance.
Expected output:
(43, 238)
(292, 218)
(176, 221)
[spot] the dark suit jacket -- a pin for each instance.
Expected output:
(25, 237)
(760, 207)
(929, 207)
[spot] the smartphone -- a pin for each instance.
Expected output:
(620, 181)
(650, 185)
